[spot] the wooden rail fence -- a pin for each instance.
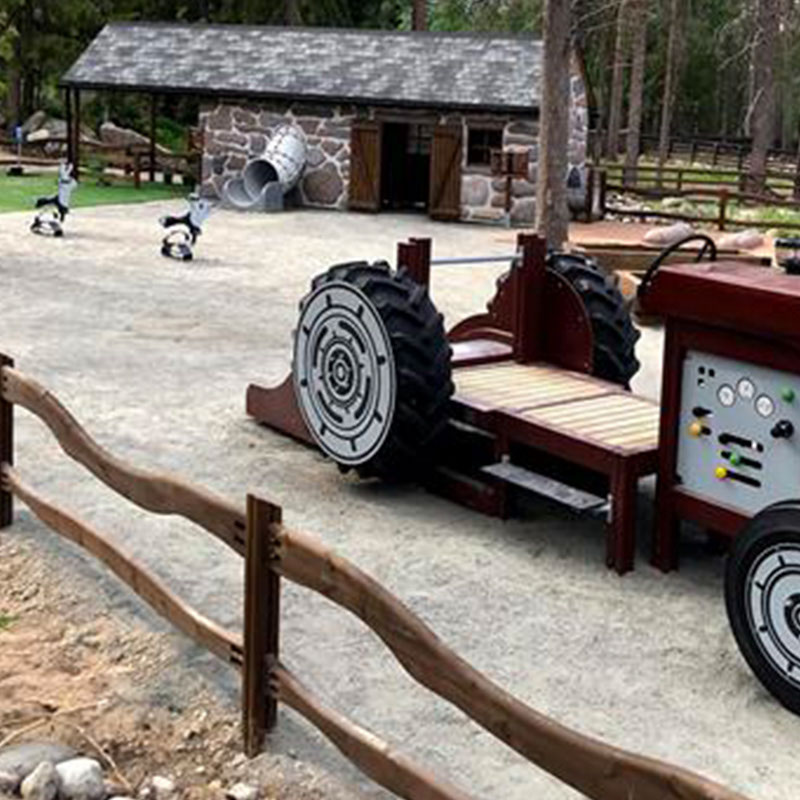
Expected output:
(273, 551)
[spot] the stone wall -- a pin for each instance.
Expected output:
(234, 134)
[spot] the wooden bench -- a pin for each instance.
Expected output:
(570, 416)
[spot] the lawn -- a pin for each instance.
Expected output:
(19, 194)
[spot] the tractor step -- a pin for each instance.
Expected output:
(576, 499)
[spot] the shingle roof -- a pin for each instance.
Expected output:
(474, 70)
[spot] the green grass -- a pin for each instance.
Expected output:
(19, 194)
(6, 621)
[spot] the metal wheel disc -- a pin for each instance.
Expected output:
(772, 603)
(344, 375)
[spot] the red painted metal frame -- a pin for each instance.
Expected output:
(707, 307)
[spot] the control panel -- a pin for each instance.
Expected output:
(739, 432)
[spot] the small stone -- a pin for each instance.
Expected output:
(323, 187)
(241, 791)
(115, 789)
(81, 779)
(162, 787)
(215, 785)
(9, 783)
(22, 759)
(239, 760)
(41, 784)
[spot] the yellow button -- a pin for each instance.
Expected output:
(721, 473)
(696, 429)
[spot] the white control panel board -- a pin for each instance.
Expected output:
(739, 434)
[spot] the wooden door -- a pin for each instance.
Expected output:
(365, 166)
(446, 155)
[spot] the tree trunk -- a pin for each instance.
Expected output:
(617, 82)
(763, 108)
(639, 9)
(670, 78)
(293, 13)
(419, 15)
(552, 214)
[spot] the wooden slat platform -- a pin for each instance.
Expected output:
(572, 416)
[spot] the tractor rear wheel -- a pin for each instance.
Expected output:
(615, 336)
(372, 369)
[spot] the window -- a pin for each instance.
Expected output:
(480, 143)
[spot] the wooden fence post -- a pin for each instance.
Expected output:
(261, 623)
(723, 207)
(6, 447)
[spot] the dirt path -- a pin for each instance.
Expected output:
(154, 357)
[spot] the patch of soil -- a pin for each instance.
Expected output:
(81, 678)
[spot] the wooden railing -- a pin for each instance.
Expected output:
(273, 551)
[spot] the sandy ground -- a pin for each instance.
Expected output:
(154, 357)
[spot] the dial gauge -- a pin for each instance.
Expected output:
(726, 395)
(765, 406)
(747, 389)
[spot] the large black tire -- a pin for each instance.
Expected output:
(762, 598)
(402, 316)
(615, 336)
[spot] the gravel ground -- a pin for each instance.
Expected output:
(154, 356)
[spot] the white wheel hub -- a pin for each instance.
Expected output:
(344, 375)
(773, 608)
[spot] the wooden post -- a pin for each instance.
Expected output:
(152, 138)
(76, 140)
(415, 256)
(137, 170)
(723, 207)
(528, 298)
(70, 129)
(6, 447)
(261, 623)
(693, 153)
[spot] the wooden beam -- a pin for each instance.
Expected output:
(6, 444)
(153, 100)
(374, 757)
(158, 595)
(261, 623)
(157, 492)
(76, 136)
(70, 129)
(528, 288)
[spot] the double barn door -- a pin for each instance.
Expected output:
(445, 177)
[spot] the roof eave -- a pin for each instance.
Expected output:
(531, 110)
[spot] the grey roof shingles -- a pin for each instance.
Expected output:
(468, 71)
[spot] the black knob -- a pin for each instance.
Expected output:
(782, 430)
(699, 411)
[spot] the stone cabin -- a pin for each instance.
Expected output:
(393, 120)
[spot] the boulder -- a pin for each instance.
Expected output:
(41, 784)
(22, 759)
(81, 779)
(744, 240)
(474, 190)
(34, 122)
(115, 136)
(664, 236)
(323, 186)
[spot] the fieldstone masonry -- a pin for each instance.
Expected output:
(234, 134)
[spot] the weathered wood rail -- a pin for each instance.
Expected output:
(273, 551)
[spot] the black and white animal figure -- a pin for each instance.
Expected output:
(50, 221)
(179, 243)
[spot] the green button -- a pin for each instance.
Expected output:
(735, 459)
(787, 394)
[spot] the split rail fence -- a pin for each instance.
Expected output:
(273, 551)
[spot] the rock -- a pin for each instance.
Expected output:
(9, 783)
(744, 240)
(162, 787)
(22, 759)
(474, 190)
(315, 157)
(34, 122)
(241, 791)
(239, 760)
(665, 236)
(323, 186)
(331, 146)
(523, 212)
(115, 136)
(81, 779)
(42, 784)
